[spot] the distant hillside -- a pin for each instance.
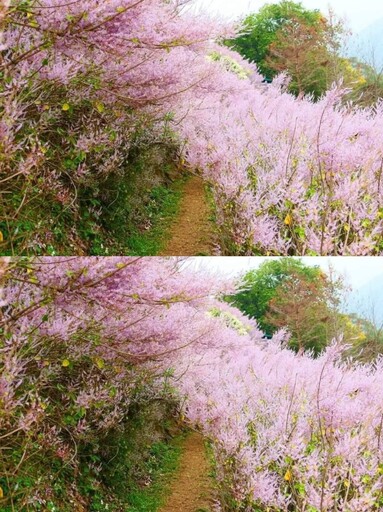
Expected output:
(367, 45)
(367, 301)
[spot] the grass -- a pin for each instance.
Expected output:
(151, 489)
(127, 214)
(148, 453)
(144, 234)
(129, 470)
(162, 208)
(161, 466)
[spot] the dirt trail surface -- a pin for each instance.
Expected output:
(191, 489)
(192, 232)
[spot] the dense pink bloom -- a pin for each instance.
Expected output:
(286, 429)
(289, 176)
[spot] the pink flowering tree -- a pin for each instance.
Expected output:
(303, 433)
(85, 85)
(83, 342)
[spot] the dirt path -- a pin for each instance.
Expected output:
(192, 232)
(191, 490)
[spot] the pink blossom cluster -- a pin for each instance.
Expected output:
(290, 176)
(291, 432)
(98, 70)
(86, 84)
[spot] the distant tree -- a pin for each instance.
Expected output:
(258, 287)
(286, 37)
(302, 51)
(258, 31)
(305, 307)
(287, 293)
(297, 51)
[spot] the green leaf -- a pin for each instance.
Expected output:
(100, 363)
(100, 107)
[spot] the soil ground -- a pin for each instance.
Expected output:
(191, 234)
(191, 490)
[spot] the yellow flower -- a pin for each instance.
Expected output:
(288, 476)
(288, 219)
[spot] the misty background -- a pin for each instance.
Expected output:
(364, 19)
(363, 276)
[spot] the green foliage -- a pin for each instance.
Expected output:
(231, 64)
(128, 470)
(162, 207)
(259, 31)
(140, 460)
(230, 320)
(128, 215)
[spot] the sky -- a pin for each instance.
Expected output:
(357, 271)
(359, 14)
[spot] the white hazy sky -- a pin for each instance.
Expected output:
(358, 14)
(357, 271)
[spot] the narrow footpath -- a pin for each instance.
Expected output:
(191, 234)
(191, 490)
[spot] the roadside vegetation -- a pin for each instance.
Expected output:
(104, 106)
(105, 362)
